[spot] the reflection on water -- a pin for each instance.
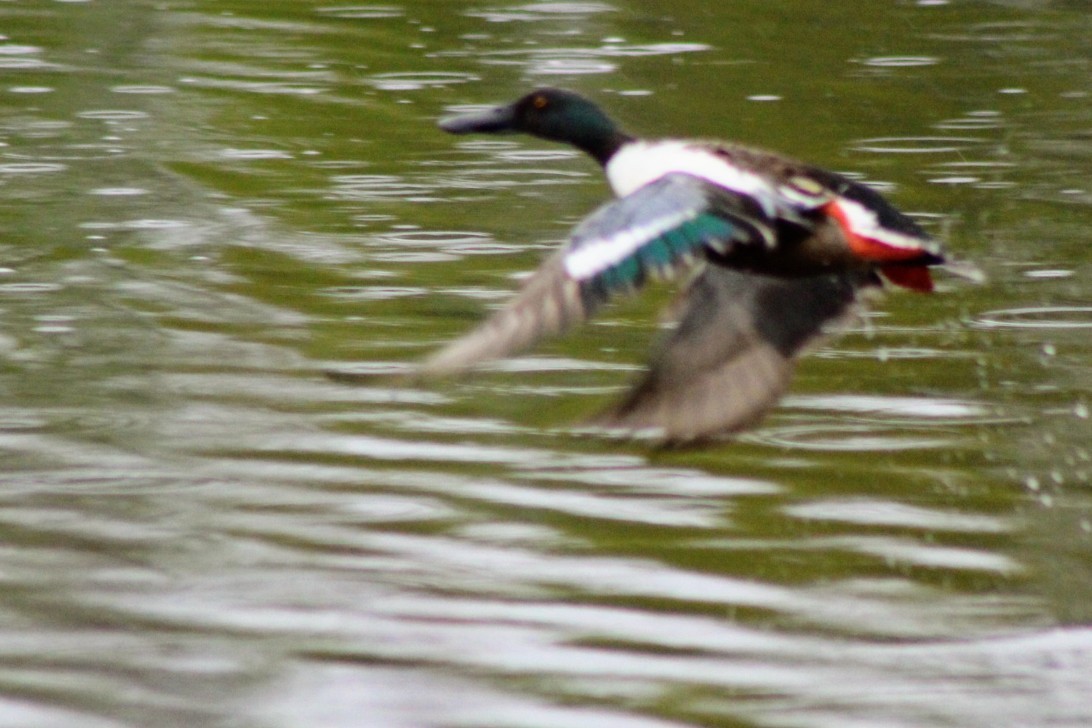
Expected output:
(209, 208)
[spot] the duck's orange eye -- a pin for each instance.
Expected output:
(540, 102)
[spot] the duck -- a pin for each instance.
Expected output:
(775, 253)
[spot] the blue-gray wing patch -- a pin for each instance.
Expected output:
(660, 227)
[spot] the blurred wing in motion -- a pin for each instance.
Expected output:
(666, 225)
(732, 354)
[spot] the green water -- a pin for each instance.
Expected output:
(204, 205)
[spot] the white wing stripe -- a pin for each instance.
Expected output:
(595, 256)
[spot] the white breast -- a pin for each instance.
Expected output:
(638, 163)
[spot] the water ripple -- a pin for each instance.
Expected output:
(373, 187)
(673, 512)
(31, 168)
(113, 114)
(14, 49)
(21, 420)
(933, 409)
(534, 155)
(146, 224)
(413, 256)
(900, 61)
(118, 191)
(276, 88)
(545, 61)
(143, 89)
(1050, 273)
(652, 49)
(390, 449)
(855, 437)
(254, 154)
(916, 145)
(452, 241)
(21, 63)
(879, 513)
(973, 121)
(675, 481)
(362, 12)
(1003, 34)
(1037, 317)
(932, 556)
(374, 508)
(418, 80)
(573, 66)
(371, 293)
(508, 178)
(22, 288)
(532, 12)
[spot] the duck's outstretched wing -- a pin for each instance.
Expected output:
(549, 302)
(732, 354)
(661, 227)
